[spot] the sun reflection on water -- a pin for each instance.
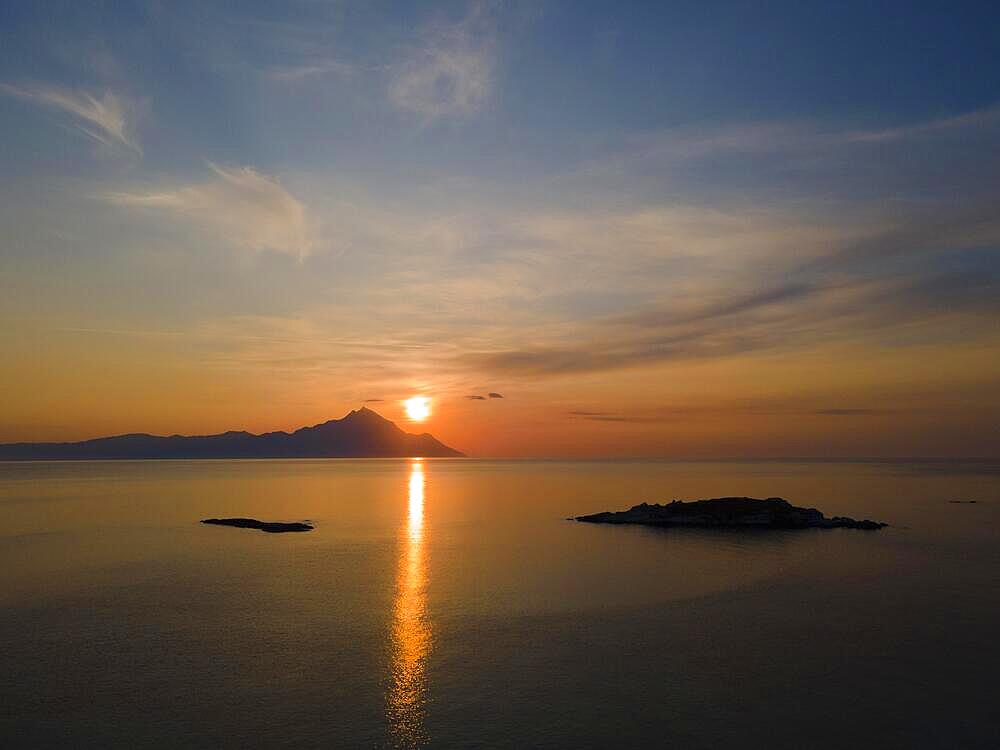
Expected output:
(411, 631)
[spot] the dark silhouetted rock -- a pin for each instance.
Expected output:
(730, 512)
(361, 434)
(962, 502)
(272, 527)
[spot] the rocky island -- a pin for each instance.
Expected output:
(730, 512)
(272, 527)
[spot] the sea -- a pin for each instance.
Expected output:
(451, 603)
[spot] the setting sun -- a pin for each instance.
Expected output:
(418, 408)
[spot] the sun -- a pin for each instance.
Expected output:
(418, 408)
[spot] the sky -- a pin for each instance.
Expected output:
(676, 229)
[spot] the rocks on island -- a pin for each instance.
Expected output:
(272, 527)
(730, 512)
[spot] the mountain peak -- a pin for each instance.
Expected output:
(364, 414)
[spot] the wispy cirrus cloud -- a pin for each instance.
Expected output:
(451, 73)
(247, 208)
(885, 310)
(102, 118)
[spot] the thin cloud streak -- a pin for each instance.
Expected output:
(854, 412)
(791, 140)
(291, 73)
(986, 116)
(759, 407)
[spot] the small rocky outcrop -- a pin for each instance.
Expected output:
(271, 527)
(730, 512)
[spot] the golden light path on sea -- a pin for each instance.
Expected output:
(411, 630)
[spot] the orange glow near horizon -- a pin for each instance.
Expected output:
(411, 631)
(418, 408)
(844, 401)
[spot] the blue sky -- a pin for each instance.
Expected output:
(604, 208)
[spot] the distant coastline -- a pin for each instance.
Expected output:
(361, 434)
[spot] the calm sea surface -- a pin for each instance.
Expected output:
(448, 603)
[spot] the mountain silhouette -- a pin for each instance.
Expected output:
(361, 434)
